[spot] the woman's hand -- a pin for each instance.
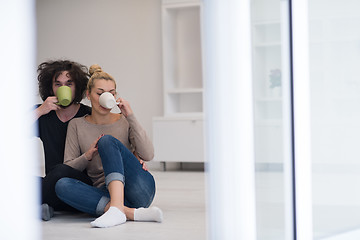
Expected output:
(124, 107)
(144, 166)
(48, 105)
(93, 149)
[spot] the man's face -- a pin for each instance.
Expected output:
(64, 80)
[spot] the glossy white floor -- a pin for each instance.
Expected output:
(181, 196)
(336, 204)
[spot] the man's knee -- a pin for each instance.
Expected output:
(63, 186)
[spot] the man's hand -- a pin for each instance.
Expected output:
(48, 105)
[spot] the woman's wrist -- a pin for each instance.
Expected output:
(87, 157)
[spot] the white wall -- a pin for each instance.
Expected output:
(122, 36)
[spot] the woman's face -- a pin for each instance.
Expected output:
(100, 86)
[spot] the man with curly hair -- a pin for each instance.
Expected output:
(52, 121)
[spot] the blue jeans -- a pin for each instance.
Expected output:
(51, 178)
(118, 164)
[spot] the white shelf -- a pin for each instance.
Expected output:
(184, 90)
(182, 57)
(267, 58)
(183, 103)
(261, 23)
(269, 99)
(180, 3)
(177, 117)
(178, 134)
(269, 122)
(186, 115)
(268, 44)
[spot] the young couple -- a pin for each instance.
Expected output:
(111, 148)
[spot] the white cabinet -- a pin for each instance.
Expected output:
(178, 140)
(178, 134)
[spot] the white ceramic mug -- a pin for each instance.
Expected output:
(107, 100)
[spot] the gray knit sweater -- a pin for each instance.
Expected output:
(81, 134)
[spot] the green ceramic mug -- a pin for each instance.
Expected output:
(63, 95)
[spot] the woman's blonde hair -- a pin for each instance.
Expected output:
(96, 72)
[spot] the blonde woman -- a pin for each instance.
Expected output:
(112, 149)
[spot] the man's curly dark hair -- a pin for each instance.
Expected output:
(52, 69)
